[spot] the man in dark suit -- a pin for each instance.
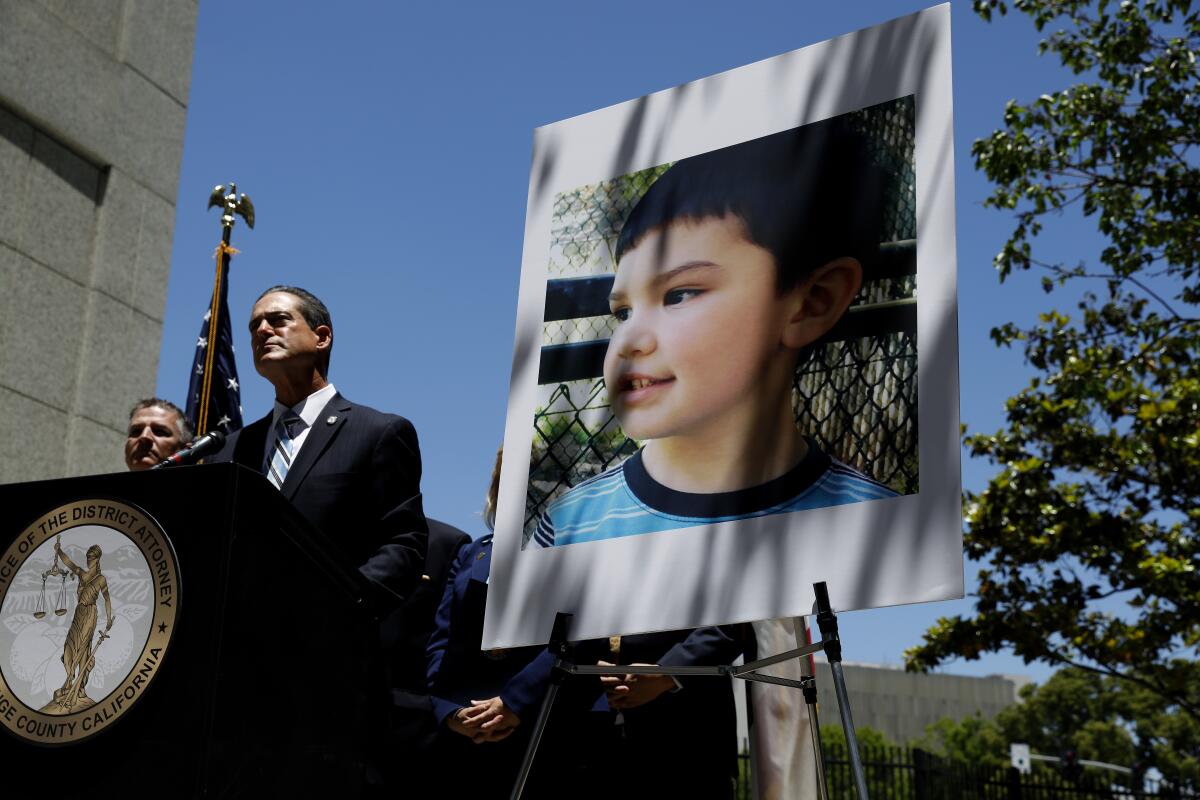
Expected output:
(406, 631)
(405, 634)
(678, 736)
(354, 472)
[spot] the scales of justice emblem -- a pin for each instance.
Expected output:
(88, 599)
(79, 650)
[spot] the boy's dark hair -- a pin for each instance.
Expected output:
(809, 195)
(312, 309)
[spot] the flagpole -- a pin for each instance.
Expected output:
(231, 206)
(223, 258)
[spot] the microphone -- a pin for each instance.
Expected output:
(206, 444)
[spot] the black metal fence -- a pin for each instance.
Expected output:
(901, 773)
(856, 394)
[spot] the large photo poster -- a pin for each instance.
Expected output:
(726, 383)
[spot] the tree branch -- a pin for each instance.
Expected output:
(1188, 708)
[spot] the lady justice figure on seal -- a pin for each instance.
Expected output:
(78, 653)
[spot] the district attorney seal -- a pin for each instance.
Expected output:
(89, 594)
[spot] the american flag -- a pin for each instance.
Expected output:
(214, 398)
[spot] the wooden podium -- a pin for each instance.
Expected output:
(272, 683)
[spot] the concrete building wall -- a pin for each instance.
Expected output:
(898, 704)
(901, 704)
(93, 97)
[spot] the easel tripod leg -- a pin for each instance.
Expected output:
(539, 726)
(814, 727)
(563, 657)
(856, 766)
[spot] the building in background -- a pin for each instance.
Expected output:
(902, 704)
(93, 98)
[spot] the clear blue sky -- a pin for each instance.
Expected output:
(387, 146)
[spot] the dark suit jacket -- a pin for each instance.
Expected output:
(406, 630)
(682, 743)
(358, 479)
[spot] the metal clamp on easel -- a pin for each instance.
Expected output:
(830, 643)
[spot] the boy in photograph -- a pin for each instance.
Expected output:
(730, 268)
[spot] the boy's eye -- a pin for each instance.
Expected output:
(677, 296)
(621, 313)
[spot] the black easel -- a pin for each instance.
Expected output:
(563, 664)
(830, 642)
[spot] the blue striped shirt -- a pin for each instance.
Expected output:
(626, 501)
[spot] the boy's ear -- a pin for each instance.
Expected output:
(822, 300)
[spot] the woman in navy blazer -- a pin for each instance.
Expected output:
(461, 676)
(486, 702)
(674, 742)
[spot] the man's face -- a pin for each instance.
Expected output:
(153, 435)
(281, 338)
(700, 323)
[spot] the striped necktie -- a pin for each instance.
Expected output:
(281, 455)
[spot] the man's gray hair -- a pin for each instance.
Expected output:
(185, 426)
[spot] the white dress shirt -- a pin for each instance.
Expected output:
(309, 410)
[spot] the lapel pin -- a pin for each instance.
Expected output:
(330, 420)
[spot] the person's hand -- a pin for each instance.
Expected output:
(484, 721)
(494, 720)
(455, 723)
(631, 691)
(58, 546)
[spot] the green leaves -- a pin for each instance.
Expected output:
(1119, 145)
(1088, 534)
(1099, 717)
